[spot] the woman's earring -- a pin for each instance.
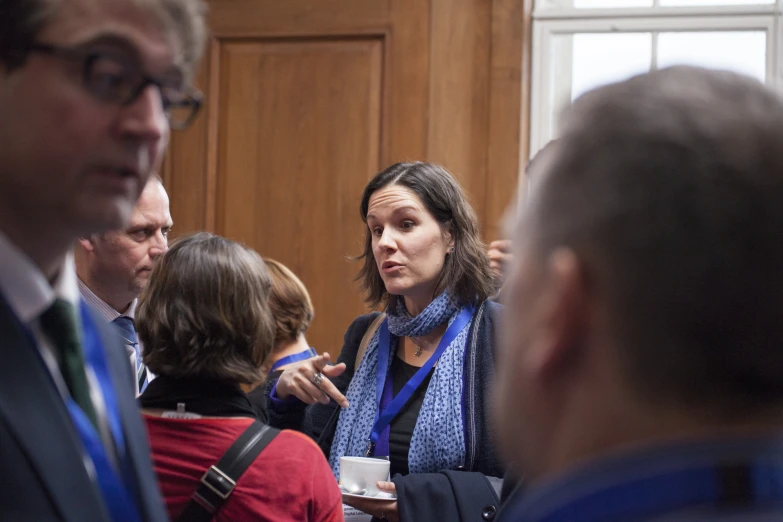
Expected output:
(451, 250)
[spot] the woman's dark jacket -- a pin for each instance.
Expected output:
(470, 494)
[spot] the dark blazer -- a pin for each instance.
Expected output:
(455, 496)
(42, 475)
(320, 421)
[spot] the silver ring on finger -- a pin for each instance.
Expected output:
(317, 379)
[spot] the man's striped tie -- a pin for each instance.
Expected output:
(128, 332)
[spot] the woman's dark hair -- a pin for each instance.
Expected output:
(205, 312)
(466, 273)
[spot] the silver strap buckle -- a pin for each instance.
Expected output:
(220, 483)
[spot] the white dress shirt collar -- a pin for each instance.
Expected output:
(27, 289)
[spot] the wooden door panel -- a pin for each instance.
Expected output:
(299, 132)
(240, 18)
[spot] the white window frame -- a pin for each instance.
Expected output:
(551, 21)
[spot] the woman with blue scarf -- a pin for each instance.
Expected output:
(411, 385)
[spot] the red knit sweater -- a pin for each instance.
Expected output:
(289, 481)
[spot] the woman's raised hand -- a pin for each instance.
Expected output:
(309, 381)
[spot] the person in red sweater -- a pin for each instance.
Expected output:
(207, 328)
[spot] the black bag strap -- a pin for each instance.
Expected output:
(219, 481)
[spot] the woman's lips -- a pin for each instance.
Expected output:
(389, 267)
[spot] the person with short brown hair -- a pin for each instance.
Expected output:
(639, 376)
(293, 312)
(207, 328)
(207, 314)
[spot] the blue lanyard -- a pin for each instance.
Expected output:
(301, 356)
(389, 408)
(116, 489)
(117, 492)
(653, 496)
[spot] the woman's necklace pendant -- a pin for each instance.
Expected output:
(418, 347)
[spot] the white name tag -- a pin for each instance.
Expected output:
(352, 514)
(179, 415)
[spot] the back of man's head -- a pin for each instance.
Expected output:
(669, 189)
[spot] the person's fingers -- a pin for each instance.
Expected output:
(504, 245)
(497, 256)
(317, 396)
(321, 393)
(386, 486)
(321, 361)
(334, 371)
(298, 381)
(331, 390)
(501, 245)
(306, 389)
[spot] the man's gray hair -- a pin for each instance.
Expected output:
(22, 20)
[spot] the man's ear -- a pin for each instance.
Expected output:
(87, 243)
(567, 311)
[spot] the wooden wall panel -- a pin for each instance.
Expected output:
(248, 18)
(299, 137)
(307, 99)
(185, 171)
(407, 82)
(459, 93)
(509, 114)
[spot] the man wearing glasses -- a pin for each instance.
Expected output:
(88, 92)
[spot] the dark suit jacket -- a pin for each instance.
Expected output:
(42, 476)
(454, 496)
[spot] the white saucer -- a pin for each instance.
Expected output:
(379, 496)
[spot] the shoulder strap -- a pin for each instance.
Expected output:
(219, 481)
(367, 338)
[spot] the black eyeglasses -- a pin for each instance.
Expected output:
(113, 80)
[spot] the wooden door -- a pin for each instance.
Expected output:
(308, 99)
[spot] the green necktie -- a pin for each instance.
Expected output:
(59, 323)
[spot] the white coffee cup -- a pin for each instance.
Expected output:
(363, 473)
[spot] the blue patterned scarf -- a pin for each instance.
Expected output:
(438, 440)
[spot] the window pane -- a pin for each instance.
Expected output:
(740, 51)
(680, 3)
(604, 4)
(601, 58)
(596, 4)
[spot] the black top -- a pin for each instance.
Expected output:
(402, 426)
(257, 397)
